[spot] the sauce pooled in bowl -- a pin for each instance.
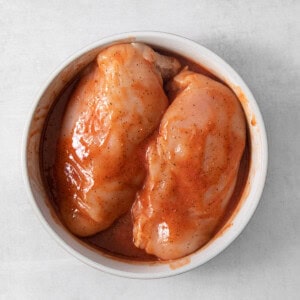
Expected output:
(107, 148)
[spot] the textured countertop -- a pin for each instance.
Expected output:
(260, 39)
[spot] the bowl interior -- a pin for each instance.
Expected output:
(234, 225)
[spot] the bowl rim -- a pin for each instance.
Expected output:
(106, 41)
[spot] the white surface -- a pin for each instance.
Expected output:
(260, 40)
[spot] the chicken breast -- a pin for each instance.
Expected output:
(193, 162)
(116, 105)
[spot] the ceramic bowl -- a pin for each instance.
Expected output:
(37, 193)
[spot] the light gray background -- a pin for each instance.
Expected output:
(260, 39)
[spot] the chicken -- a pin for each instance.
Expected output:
(116, 105)
(193, 162)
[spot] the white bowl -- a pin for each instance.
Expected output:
(234, 226)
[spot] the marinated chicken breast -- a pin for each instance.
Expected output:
(193, 162)
(116, 105)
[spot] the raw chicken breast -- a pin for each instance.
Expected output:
(193, 164)
(116, 105)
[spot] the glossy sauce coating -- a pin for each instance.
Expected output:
(115, 106)
(117, 240)
(193, 164)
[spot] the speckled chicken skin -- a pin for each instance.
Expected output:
(192, 163)
(117, 104)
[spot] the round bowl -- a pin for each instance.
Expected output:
(37, 193)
